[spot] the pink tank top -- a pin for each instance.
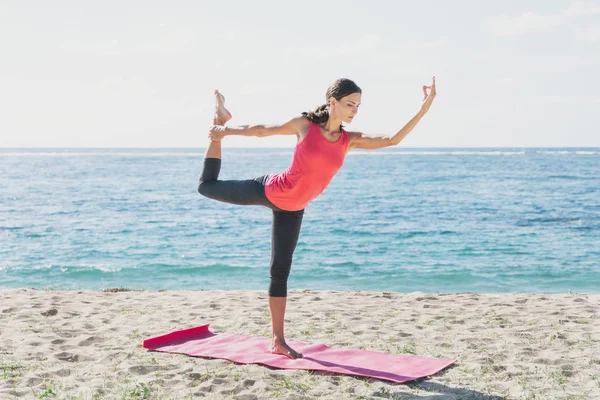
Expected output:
(316, 160)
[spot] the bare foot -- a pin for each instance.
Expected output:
(281, 347)
(222, 115)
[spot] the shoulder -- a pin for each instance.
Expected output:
(302, 124)
(353, 135)
(302, 120)
(354, 138)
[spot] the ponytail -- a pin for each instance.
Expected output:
(320, 115)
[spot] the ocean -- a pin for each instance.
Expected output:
(429, 220)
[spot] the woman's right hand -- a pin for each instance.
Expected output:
(217, 133)
(428, 98)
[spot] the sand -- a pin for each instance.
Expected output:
(88, 344)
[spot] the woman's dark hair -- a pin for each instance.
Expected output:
(338, 89)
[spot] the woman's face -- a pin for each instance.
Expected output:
(347, 107)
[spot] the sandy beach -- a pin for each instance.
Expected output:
(88, 344)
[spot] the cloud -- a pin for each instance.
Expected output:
(424, 44)
(4, 10)
(526, 23)
(106, 47)
(364, 44)
(530, 22)
(170, 42)
(589, 33)
(324, 50)
(174, 41)
(504, 82)
(579, 8)
(229, 36)
(368, 43)
(544, 100)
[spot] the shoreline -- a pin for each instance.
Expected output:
(87, 343)
(299, 290)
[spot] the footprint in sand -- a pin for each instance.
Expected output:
(34, 381)
(426, 298)
(66, 356)
(63, 372)
(194, 376)
(67, 334)
(144, 369)
(248, 383)
(91, 340)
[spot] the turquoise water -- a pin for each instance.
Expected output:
(443, 220)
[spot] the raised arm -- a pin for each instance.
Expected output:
(359, 140)
(292, 127)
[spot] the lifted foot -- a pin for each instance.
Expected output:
(222, 115)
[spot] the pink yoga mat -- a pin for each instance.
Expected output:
(201, 342)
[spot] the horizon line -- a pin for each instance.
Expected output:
(286, 147)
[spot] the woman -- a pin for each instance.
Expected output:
(319, 154)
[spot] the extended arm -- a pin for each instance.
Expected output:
(360, 140)
(291, 127)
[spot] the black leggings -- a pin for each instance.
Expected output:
(251, 192)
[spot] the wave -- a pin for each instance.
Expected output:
(132, 154)
(438, 153)
(96, 154)
(287, 152)
(69, 268)
(563, 152)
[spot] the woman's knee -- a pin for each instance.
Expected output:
(277, 291)
(278, 288)
(205, 187)
(209, 175)
(279, 278)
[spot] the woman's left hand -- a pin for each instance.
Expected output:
(428, 98)
(216, 133)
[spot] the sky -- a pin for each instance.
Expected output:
(142, 73)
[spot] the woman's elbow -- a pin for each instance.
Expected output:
(204, 187)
